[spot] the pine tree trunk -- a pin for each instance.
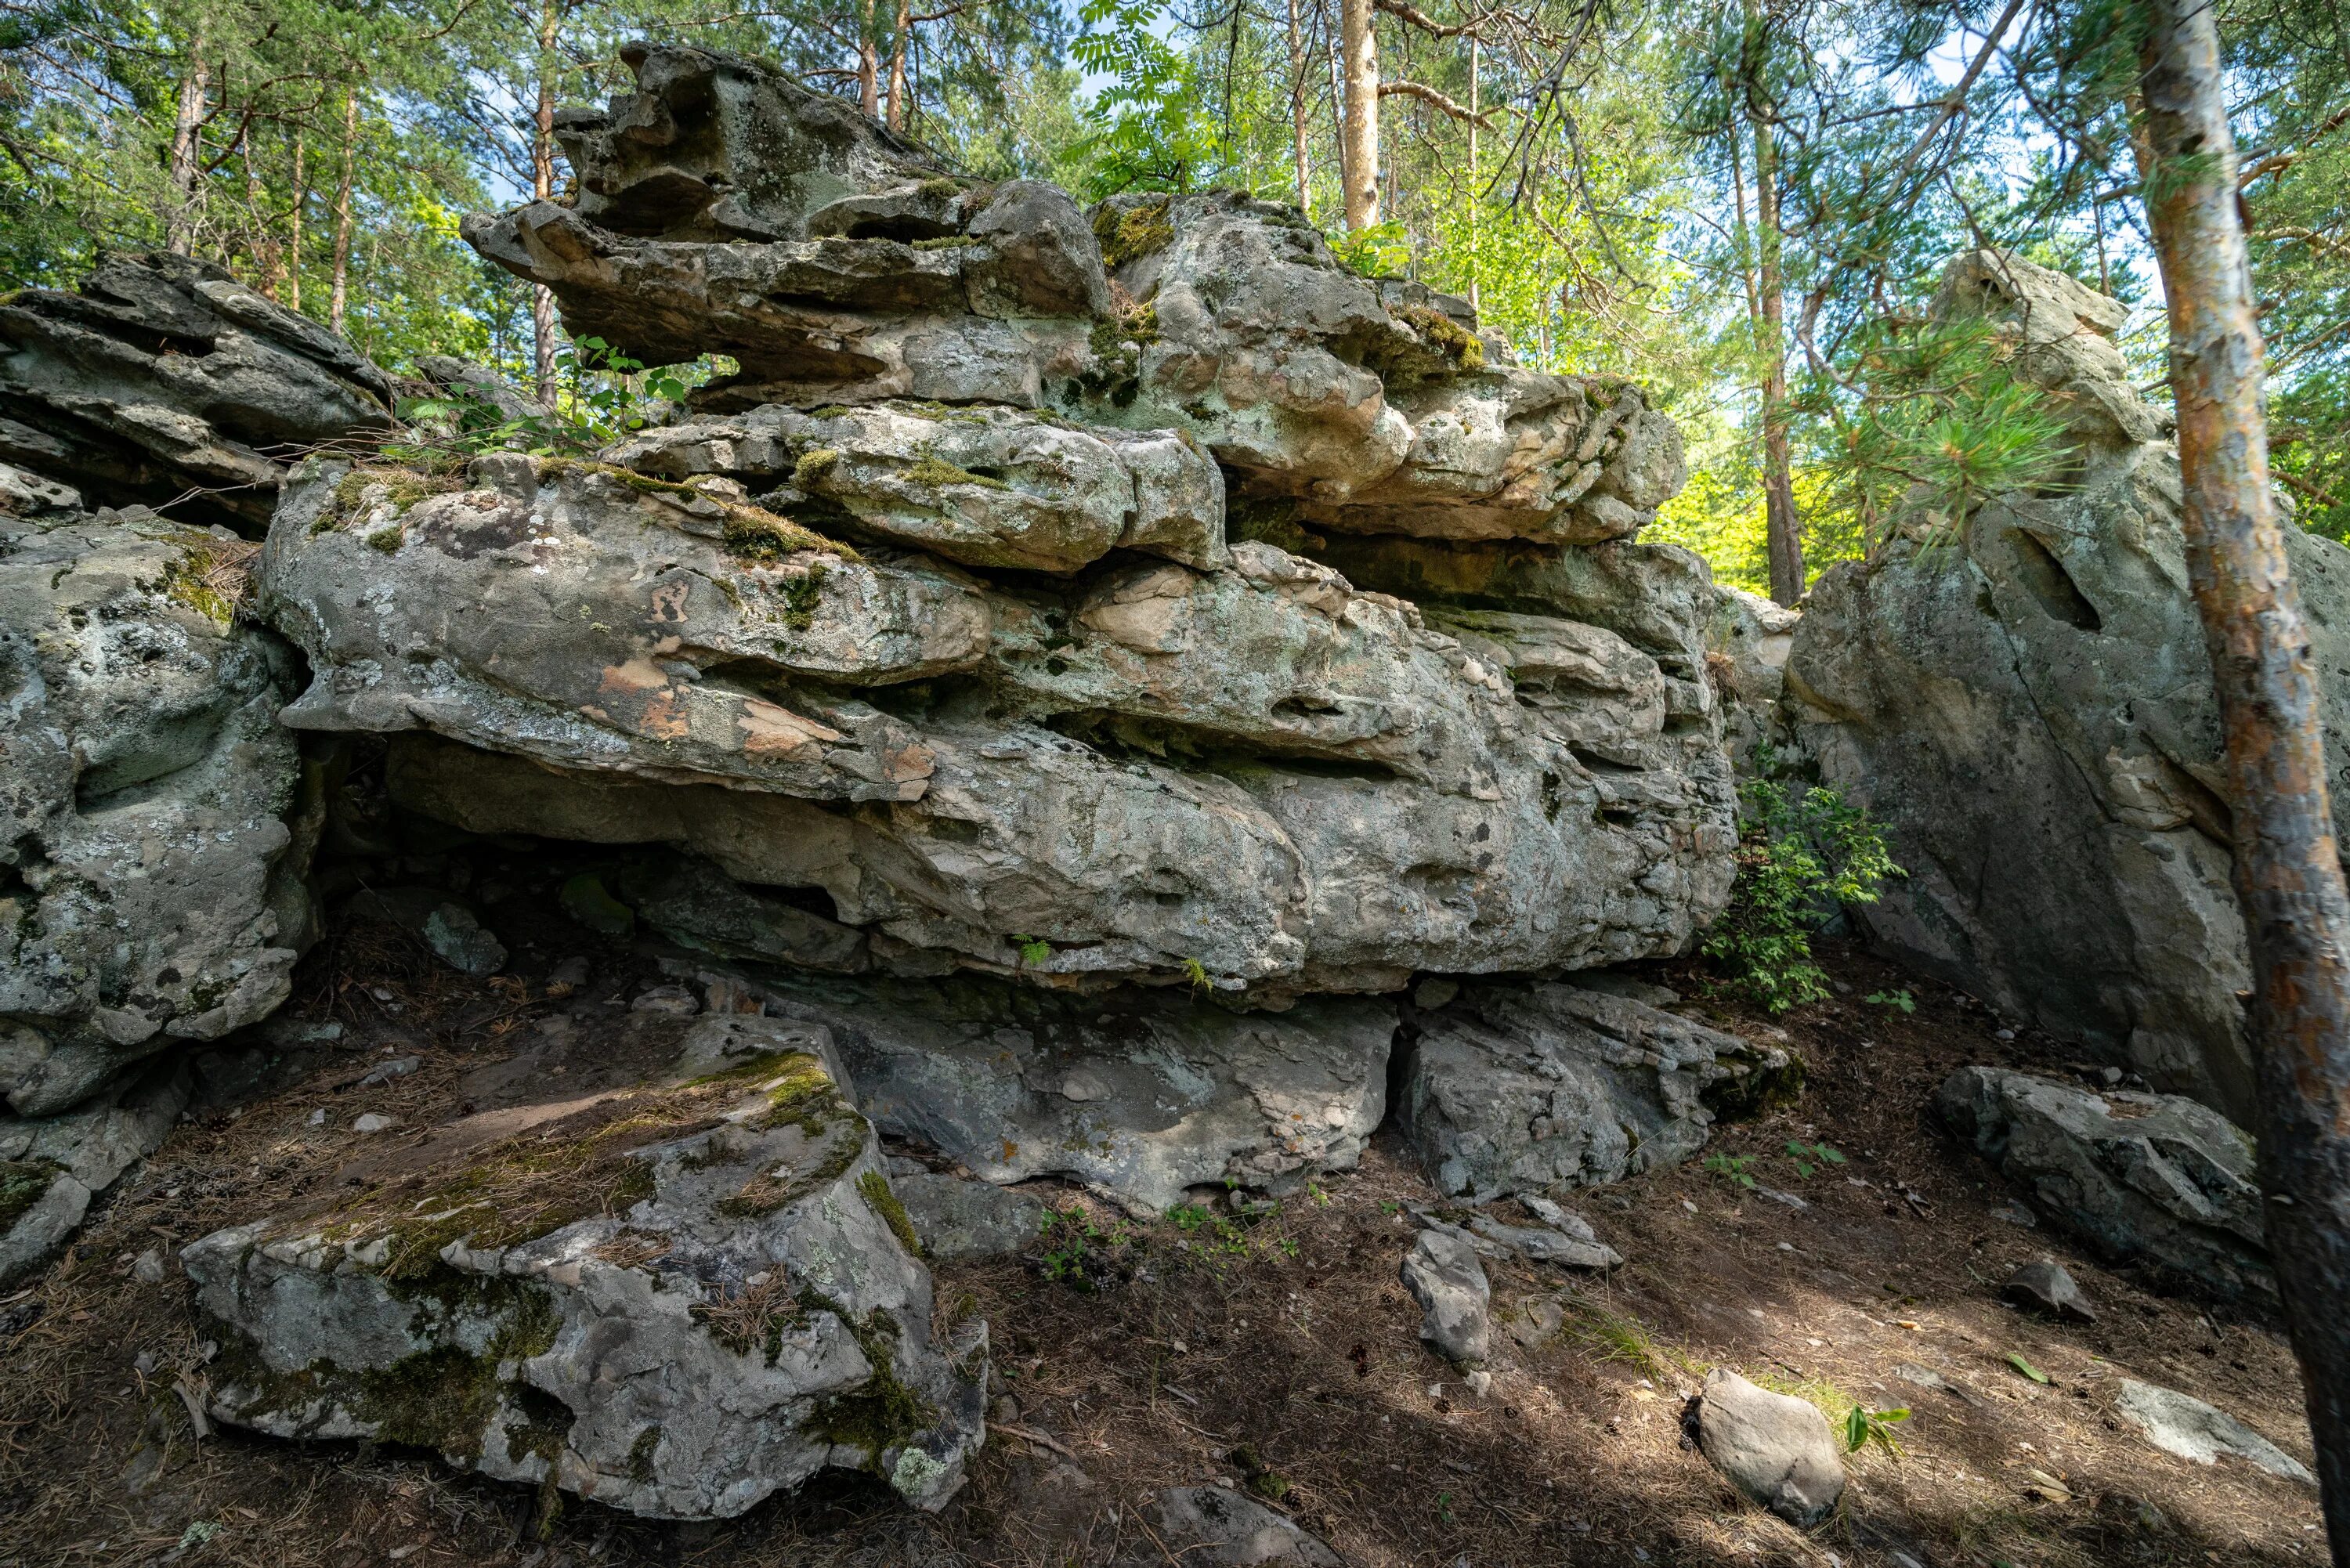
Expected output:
(338, 285)
(1297, 113)
(294, 231)
(541, 186)
(271, 282)
(2288, 871)
(869, 68)
(1358, 161)
(187, 153)
(1783, 530)
(898, 65)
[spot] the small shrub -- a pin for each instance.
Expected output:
(1802, 846)
(1730, 1167)
(1809, 1158)
(1865, 1426)
(1898, 1001)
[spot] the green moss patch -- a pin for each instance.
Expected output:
(212, 577)
(930, 469)
(21, 1183)
(367, 487)
(884, 1202)
(1456, 342)
(1137, 230)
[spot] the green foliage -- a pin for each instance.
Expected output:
(1148, 128)
(2028, 1370)
(1734, 1168)
(1033, 949)
(1863, 1426)
(1898, 1001)
(1801, 847)
(1809, 1157)
(1080, 1252)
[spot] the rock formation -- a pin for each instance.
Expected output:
(166, 379)
(158, 826)
(2028, 706)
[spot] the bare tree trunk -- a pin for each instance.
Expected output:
(541, 186)
(1358, 157)
(869, 68)
(293, 232)
(2288, 870)
(1783, 530)
(1297, 113)
(339, 286)
(898, 65)
(1476, 199)
(265, 254)
(187, 152)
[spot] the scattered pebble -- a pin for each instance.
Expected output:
(369, 1122)
(398, 1067)
(674, 1000)
(318, 1118)
(148, 1267)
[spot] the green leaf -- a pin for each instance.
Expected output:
(2028, 1369)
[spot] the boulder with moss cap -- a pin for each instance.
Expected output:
(675, 1300)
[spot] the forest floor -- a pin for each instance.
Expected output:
(1281, 1355)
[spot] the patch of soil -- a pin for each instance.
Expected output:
(1271, 1349)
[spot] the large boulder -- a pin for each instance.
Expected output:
(164, 375)
(2027, 705)
(675, 1299)
(2155, 1178)
(1253, 777)
(1514, 1088)
(155, 823)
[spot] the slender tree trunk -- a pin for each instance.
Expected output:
(1476, 196)
(897, 65)
(294, 231)
(265, 254)
(1783, 530)
(2288, 870)
(1297, 113)
(869, 68)
(338, 285)
(187, 151)
(541, 186)
(1358, 161)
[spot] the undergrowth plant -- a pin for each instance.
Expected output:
(1801, 849)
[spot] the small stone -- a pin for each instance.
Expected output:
(1775, 1448)
(572, 973)
(1923, 1377)
(1481, 1381)
(2048, 1287)
(2183, 1425)
(1434, 992)
(671, 1001)
(369, 1122)
(1444, 1276)
(148, 1267)
(2113, 1077)
(1003, 1407)
(398, 1067)
(2004, 1034)
(1536, 1321)
(458, 939)
(2015, 1214)
(318, 1118)
(1216, 1527)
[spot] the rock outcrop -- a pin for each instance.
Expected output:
(676, 1299)
(1512, 1089)
(157, 825)
(2028, 706)
(164, 380)
(2156, 1178)
(52, 1168)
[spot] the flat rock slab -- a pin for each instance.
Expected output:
(2152, 1177)
(2183, 1425)
(52, 1168)
(1216, 1527)
(2050, 1289)
(957, 1219)
(1512, 1088)
(1775, 1448)
(674, 1296)
(1443, 1275)
(1137, 1095)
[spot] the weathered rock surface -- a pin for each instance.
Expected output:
(956, 1218)
(725, 209)
(1747, 649)
(2183, 1425)
(2154, 1177)
(986, 487)
(1443, 1275)
(1775, 1448)
(2049, 1288)
(154, 832)
(2029, 710)
(53, 1168)
(1254, 771)
(1512, 1088)
(1216, 1527)
(163, 374)
(675, 1299)
(1138, 1095)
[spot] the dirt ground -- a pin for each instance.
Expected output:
(1274, 1352)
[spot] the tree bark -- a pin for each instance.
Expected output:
(1358, 159)
(898, 65)
(187, 155)
(541, 186)
(1297, 113)
(293, 232)
(339, 284)
(1783, 530)
(2288, 870)
(868, 68)
(1476, 198)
